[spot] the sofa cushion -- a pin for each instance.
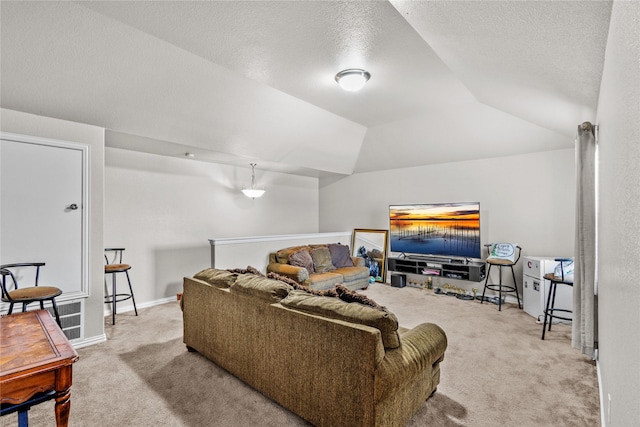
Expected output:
(331, 292)
(340, 256)
(217, 278)
(302, 258)
(261, 287)
(282, 255)
(322, 259)
(322, 281)
(334, 308)
(350, 274)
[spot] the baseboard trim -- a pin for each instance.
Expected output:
(89, 341)
(603, 418)
(127, 308)
(97, 339)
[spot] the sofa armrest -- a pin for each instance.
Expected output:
(421, 348)
(358, 261)
(428, 339)
(299, 274)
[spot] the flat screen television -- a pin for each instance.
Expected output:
(440, 229)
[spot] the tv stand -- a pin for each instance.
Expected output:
(460, 269)
(429, 258)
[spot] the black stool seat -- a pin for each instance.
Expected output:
(550, 310)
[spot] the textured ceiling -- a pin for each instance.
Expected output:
(235, 82)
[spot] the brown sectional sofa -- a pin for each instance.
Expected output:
(332, 362)
(322, 273)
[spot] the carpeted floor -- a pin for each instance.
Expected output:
(497, 372)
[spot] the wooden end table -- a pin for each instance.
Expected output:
(35, 357)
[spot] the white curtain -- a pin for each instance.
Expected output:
(584, 326)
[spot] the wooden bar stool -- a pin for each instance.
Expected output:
(114, 268)
(550, 309)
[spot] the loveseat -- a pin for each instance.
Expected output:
(320, 266)
(332, 362)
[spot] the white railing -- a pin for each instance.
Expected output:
(241, 252)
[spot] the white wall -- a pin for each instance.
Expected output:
(164, 210)
(619, 221)
(45, 127)
(527, 199)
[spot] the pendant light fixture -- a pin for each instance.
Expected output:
(253, 191)
(352, 79)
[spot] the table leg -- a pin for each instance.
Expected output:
(113, 296)
(63, 396)
(63, 407)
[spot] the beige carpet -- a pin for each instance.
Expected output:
(497, 372)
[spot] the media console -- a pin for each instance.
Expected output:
(452, 269)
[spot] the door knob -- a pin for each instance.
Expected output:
(72, 206)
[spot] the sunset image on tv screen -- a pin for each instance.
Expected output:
(444, 229)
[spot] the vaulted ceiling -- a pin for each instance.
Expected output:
(237, 82)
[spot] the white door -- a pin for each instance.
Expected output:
(42, 209)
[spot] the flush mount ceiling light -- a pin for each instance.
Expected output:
(352, 79)
(253, 191)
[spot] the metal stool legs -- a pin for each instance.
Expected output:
(499, 286)
(549, 310)
(515, 286)
(113, 298)
(133, 298)
(551, 302)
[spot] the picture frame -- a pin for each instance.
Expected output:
(371, 244)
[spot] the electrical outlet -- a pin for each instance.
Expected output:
(608, 408)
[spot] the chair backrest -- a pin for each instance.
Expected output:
(117, 255)
(6, 270)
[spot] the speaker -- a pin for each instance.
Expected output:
(398, 280)
(391, 264)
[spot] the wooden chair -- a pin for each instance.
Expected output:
(29, 294)
(114, 268)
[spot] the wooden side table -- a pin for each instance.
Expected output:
(35, 357)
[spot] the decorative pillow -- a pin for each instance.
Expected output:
(260, 287)
(347, 295)
(249, 269)
(340, 256)
(302, 258)
(322, 260)
(295, 285)
(334, 308)
(217, 278)
(505, 252)
(282, 256)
